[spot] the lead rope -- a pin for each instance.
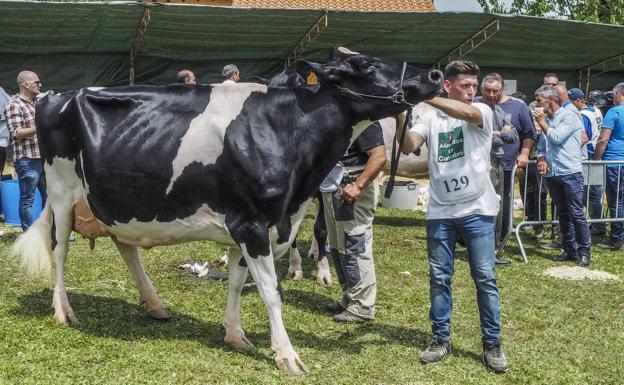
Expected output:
(394, 161)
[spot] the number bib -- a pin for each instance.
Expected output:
(458, 186)
(458, 182)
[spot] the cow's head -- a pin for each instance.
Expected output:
(371, 83)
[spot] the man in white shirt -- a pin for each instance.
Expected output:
(462, 202)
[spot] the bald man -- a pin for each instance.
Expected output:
(20, 119)
(186, 77)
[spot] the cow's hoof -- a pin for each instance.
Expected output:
(292, 366)
(294, 274)
(159, 312)
(324, 279)
(239, 342)
(65, 318)
(313, 254)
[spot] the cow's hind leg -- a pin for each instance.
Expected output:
(154, 307)
(63, 313)
(259, 258)
(323, 275)
(295, 271)
(237, 275)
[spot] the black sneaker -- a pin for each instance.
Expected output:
(435, 352)
(565, 257)
(494, 358)
(554, 245)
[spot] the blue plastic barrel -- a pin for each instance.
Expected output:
(9, 193)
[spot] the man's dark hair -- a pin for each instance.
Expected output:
(460, 67)
(551, 75)
(182, 76)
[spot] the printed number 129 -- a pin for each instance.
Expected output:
(456, 184)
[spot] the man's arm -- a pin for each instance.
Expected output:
(601, 145)
(527, 136)
(376, 161)
(412, 141)
(457, 110)
(15, 123)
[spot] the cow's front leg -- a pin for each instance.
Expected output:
(237, 274)
(130, 255)
(257, 252)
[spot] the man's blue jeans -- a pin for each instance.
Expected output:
(614, 195)
(478, 234)
(567, 194)
(30, 176)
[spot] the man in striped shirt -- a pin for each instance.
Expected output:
(20, 119)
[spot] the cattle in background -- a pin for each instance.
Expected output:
(233, 163)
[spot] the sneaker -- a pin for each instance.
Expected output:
(554, 245)
(597, 232)
(347, 316)
(501, 262)
(494, 358)
(613, 245)
(565, 257)
(435, 352)
(334, 307)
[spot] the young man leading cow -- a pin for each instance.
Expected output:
(462, 202)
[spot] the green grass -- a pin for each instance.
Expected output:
(554, 331)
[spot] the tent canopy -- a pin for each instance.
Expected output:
(71, 45)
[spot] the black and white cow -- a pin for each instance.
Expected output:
(232, 163)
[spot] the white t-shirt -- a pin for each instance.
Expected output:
(459, 164)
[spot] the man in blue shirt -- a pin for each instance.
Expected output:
(560, 157)
(610, 146)
(591, 123)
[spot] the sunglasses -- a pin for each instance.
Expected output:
(37, 82)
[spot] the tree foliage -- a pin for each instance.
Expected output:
(600, 11)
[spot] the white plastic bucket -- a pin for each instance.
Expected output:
(404, 195)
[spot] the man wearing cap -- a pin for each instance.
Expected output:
(591, 122)
(610, 146)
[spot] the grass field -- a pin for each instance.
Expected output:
(554, 331)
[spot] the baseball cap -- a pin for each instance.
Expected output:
(575, 93)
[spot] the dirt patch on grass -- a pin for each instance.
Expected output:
(578, 273)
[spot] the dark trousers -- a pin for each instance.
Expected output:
(615, 200)
(536, 193)
(507, 198)
(567, 194)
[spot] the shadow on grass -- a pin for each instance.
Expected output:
(116, 318)
(396, 221)
(348, 341)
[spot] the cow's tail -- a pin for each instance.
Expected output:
(34, 247)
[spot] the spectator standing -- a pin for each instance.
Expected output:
(462, 201)
(551, 79)
(492, 85)
(231, 74)
(186, 77)
(20, 117)
(559, 158)
(4, 131)
(349, 213)
(611, 147)
(592, 194)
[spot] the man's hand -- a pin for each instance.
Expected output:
(522, 160)
(350, 192)
(542, 166)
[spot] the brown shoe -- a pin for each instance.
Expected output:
(347, 316)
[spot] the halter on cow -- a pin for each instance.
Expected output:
(156, 165)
